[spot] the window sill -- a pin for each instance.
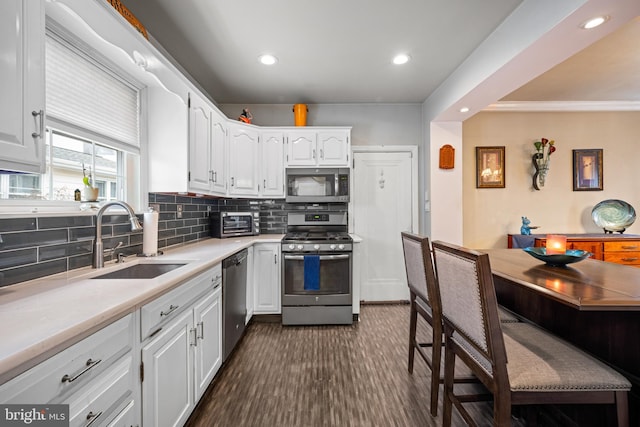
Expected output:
(22, 208)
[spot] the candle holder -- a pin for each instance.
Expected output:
(556, 244)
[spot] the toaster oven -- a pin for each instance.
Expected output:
(233, 224)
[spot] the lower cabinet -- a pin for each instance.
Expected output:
(266, 278)
(96, 377)
(181, 357)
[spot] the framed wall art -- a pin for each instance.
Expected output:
(490, 167)
(587, 170)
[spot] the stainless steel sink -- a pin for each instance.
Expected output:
(141, 271)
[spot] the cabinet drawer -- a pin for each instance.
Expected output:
(156, 313)
(621, 246)
(72, 368)
(628, 258)
(97, 402)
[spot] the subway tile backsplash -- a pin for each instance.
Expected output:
(33, 247)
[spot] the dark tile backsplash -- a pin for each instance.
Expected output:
(34, 247)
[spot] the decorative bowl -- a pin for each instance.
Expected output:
(558, 260)
(613, 215)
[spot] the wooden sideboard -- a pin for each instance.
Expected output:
(617, 248)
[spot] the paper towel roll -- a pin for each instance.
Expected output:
(150, 233)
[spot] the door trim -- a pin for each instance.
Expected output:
(413, 151)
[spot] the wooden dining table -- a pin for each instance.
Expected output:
(593, 304)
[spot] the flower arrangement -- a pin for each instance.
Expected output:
(87, 178)
(544, 149)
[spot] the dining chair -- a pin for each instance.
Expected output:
(425, 302)
(518, 363)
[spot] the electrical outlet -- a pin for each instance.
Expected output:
(179, 211)
(155, 206)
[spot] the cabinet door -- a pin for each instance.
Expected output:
(167, 388)
(243, 161)
(266, 278)
(22, 85)
(333, 148)
(594, 247)
(272, 164)
(301, 148)
(199, 144)
(208, 351)
(218, 158)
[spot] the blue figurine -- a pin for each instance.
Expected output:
(526, 229)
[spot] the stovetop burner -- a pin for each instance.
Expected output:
(316, 236)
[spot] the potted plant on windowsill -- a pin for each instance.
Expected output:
(89, 192)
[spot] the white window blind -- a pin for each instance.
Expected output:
(83, 94)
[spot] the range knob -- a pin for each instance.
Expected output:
(332, 247)
(316, 247)
(292, 246)
(300, 247)
(340, 246)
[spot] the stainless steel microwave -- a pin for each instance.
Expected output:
(232, 224)
(317, 185)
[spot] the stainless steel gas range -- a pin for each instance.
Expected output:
(317, 269)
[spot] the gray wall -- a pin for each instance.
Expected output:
(372, 124)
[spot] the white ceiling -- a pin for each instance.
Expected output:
(334, 51)
(329, 51)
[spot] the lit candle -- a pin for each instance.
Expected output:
(556, 244)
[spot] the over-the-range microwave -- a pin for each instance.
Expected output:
(317, 185)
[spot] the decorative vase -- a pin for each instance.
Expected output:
(90, 194)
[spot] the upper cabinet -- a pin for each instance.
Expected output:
(243, 160)
(22, 105)
(272, 164)
(318, 147)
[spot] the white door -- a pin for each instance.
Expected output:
(383, 203)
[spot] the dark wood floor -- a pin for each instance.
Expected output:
(324, 376)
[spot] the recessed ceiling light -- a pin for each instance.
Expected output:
(464, 110)
(401, 59)
(268, 59)
(594, 22)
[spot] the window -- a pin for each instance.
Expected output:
(93, 121)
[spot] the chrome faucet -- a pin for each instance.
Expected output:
(98, 253)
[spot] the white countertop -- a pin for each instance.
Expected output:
(41, 317)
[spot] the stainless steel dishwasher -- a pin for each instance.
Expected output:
(234, 300)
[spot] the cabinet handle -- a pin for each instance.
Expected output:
(215, 176)
(629, 259)
(172, 308)
(629, 247)
(313, 154)
(322, 154)
(92, 417)
(200, 333)
(194, 337)
(264, 184)
(90, 364)
(275, 258)
(232, 181)
(41, 127)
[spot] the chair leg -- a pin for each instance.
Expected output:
(413, 319)
(622, 408)
(436, 362)
(449, 372)
(501, 410)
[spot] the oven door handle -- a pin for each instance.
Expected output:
(322, 257)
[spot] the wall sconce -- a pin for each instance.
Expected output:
(541, 161)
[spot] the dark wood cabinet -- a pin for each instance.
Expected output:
(616, 248)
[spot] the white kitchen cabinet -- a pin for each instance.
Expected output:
(314, 147)
(266, 278)
(250, 276)
(272, 164)
(218, 159)
(243, 160)
(22, 82)
(183, 351)
(199, 144)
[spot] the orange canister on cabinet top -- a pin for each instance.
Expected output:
(300, 114)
